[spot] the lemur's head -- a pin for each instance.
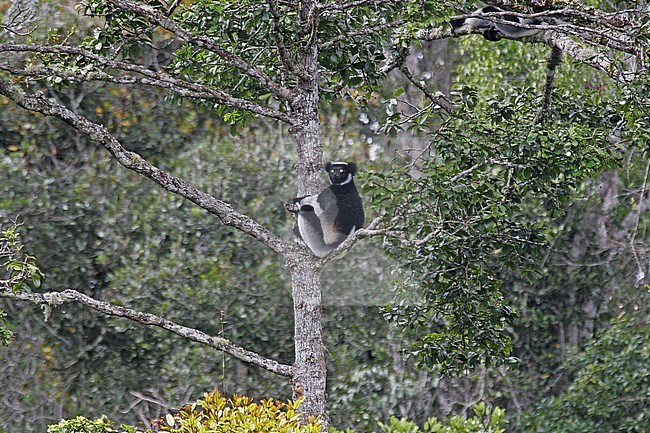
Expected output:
(340, 173)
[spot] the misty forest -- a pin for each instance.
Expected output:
(159, 158)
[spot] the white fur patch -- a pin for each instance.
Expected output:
(348, 180)
(312, 201)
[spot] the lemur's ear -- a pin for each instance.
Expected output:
(353, 168)
(328, 166)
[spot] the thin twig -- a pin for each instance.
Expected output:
(438, 100)
(640, 276)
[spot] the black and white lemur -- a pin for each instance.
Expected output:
(325, 220)
(495, 31)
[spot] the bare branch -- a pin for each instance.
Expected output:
(308, 22)
(131, 160)
(595, 56)
(336, 6)
(438, 33)
(640, 274)
(18, 18)
(396, 58)
(602, 33)
(172, 7)
(370, 230)
(285, 55)
(464, 173)
(371, 30)
(151, 78)
(54, 299)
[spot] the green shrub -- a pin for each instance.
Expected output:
(84, 425)
(483, 421)
(239, 414)
(213, 414)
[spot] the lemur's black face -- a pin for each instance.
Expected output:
(339, 174)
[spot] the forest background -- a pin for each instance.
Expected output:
(579, 289)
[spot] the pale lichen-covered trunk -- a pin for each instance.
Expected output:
(304, 108)
(309, 374)
(309, 369)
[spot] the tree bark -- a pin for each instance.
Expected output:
(309, 369)
(304, 106)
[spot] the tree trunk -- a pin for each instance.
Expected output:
(309, 369)
(310, 374)
(304, 106)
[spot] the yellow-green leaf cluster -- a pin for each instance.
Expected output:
(81, 424)
(239, 414)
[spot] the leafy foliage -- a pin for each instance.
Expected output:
(485, 202)
(213, 414)
(255, 43)
(85, 425)
(586, 275)
(238, 414)
(123, 31)
(5, 332)
(483, 421)
(466, 219)
(243, 31)
(21, 268)
(610, 389)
